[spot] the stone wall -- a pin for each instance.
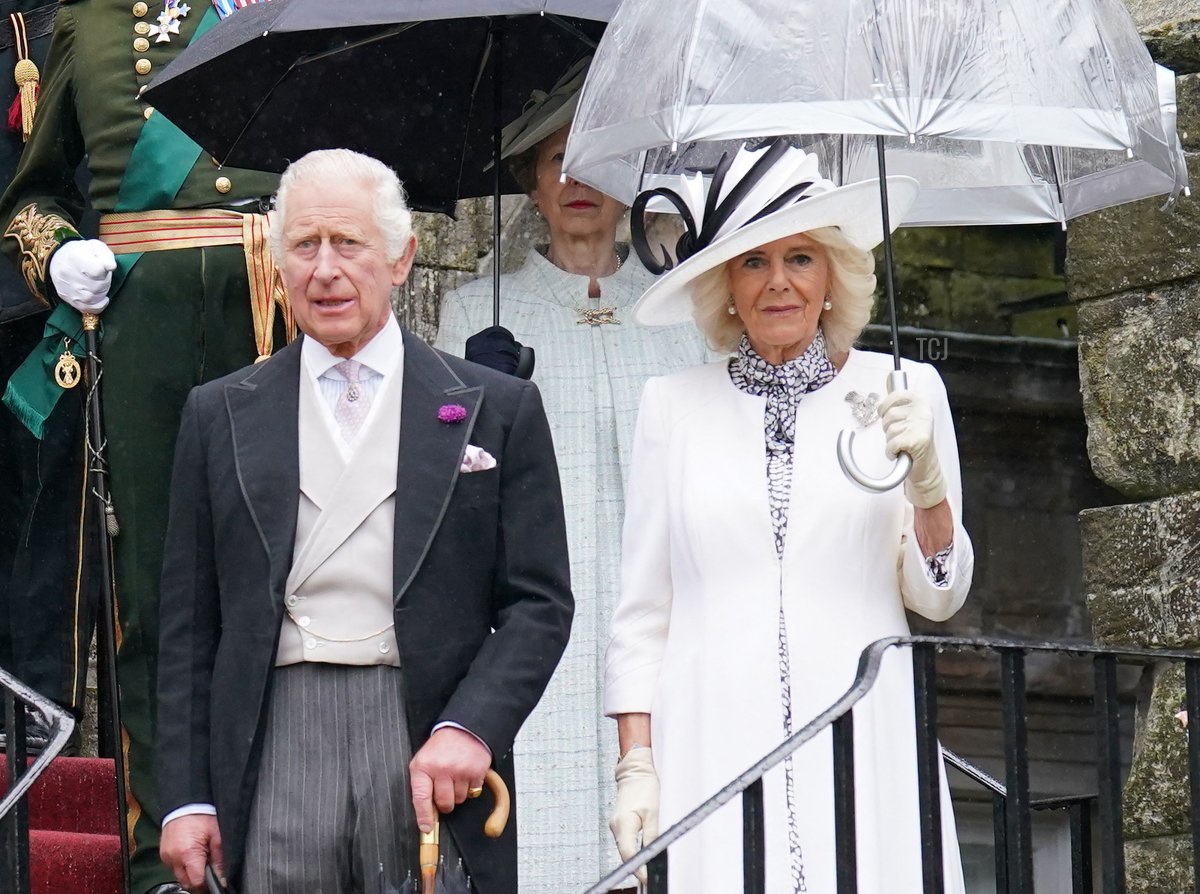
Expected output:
(451, 252)
(983, 280)
(1134, 274)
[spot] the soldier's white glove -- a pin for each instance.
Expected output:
(908, 426)
(635, 808)
(81, 271)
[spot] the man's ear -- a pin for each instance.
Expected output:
(403, 264)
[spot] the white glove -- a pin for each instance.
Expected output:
(635, 808)
(908, 426)
(81, 271)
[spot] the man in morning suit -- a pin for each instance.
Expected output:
(365, 584)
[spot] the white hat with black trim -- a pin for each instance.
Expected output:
(755, 197)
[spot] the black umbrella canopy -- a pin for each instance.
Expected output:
(407, 81)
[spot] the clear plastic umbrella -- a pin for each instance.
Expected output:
(979, 90)
(963, 182)
(1028, 72)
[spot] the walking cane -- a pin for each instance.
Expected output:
(106, 521)
(453, 882)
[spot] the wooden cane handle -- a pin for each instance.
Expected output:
(498, 818)
(428, 856)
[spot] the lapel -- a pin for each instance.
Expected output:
(368, 478)
(430, 453)
(263, 413)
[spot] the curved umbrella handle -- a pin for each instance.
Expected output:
(896, 381)
(493, 827)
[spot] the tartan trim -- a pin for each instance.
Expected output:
(37, 236)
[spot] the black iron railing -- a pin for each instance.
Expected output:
(1012, 804)
(1079, 810)
(14, 812)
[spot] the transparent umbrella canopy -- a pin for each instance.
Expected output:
(1027, 72)
(963, 182)
(1006, 112)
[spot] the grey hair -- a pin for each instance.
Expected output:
(343, 167)
(851, 290)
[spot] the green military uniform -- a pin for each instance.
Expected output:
(45, 606)
(177, 318)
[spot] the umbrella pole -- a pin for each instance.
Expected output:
(896, 380)
(106, 636)
(889, 263)
(497, 94)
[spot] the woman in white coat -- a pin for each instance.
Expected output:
(753, 572)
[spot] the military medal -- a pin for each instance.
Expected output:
(168, 20)
(66, 371)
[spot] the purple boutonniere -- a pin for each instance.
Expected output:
(452, 413)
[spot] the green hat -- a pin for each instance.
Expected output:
(545, 112)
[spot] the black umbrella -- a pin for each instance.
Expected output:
(423, 85)
(414, 83)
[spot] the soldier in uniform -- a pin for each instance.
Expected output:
(45, 606)
(183, 257)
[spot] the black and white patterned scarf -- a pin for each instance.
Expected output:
(783, 386)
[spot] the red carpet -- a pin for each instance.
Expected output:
(73, 843)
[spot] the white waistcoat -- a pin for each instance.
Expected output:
(340, 589)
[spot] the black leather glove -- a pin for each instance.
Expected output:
(495, 347)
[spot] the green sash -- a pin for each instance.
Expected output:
(161, 160)
(32, 391)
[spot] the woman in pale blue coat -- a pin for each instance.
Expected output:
(570, 300)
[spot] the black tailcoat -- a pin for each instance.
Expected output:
(483, 604)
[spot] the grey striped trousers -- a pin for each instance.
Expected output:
(332, 813)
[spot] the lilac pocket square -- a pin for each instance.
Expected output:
(476, 459)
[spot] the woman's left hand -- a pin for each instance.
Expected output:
(908, 426)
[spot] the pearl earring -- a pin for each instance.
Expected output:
(730, 309)
(828, 305)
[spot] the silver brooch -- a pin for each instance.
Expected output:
(864, 409)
